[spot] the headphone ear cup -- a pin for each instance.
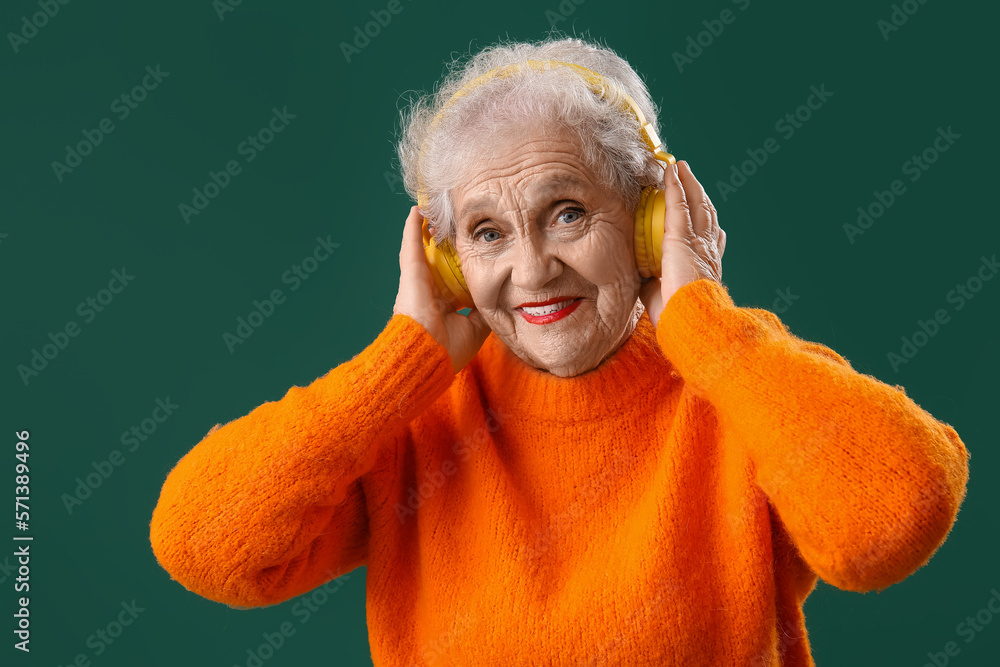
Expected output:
(446, 270)
(453, 276)
(648, 241)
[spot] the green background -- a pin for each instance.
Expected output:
(325, 174)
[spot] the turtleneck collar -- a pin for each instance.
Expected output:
(616, 384)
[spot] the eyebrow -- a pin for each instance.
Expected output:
(546, 187)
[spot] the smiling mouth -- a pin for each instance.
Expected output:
(550, 312)
(547, 309)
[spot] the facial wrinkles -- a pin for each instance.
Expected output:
(518, 213)
(533, 260)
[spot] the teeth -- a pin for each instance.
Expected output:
(545, 310)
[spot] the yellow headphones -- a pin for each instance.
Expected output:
(649, 215)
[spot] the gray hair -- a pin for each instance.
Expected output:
(436, 155)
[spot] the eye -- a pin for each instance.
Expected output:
(485, 230)
(571, 212)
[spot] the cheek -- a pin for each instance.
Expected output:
(604, 258)
(483, 279)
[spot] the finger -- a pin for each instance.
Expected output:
(652, 298)
(702, 210)
(678, 214)
(416, 289)
(712, 233)
(411, 251)
(416, 258)
(648, 290)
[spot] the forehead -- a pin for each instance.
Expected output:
(544, 183)
(535, 164)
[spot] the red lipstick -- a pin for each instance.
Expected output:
(549, 317)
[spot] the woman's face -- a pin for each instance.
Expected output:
(533, 224)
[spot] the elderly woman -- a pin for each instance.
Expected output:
(594, 466)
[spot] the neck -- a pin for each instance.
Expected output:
(617, 385)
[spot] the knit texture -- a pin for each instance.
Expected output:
(673, 506)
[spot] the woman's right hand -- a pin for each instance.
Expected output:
(420, 298)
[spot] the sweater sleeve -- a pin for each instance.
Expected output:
(866, 483)
(271, 505)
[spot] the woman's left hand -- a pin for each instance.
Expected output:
(693, 242)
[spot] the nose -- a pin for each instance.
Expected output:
(535, 263)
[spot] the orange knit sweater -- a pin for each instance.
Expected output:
(648, 512)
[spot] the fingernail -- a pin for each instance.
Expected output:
(674, 165)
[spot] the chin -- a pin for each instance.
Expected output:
(559, 364)
(574, 345)
(568, 372)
